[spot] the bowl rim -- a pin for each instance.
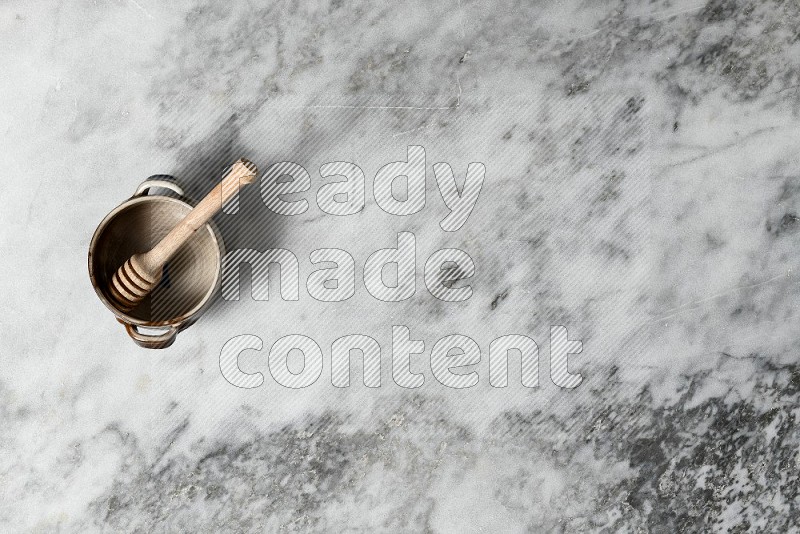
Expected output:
(176, 321)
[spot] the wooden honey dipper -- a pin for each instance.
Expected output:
(141, 273)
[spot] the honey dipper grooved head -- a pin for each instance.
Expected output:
(130, 284)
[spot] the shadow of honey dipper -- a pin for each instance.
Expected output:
(141, 273)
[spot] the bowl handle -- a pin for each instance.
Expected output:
(156, 181)
(160, 341)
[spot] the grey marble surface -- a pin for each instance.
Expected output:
(642, 189)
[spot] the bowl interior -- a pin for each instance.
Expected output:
(189, 278)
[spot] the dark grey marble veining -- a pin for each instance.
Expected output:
(642, 189)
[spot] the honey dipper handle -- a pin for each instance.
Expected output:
(241, 173)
